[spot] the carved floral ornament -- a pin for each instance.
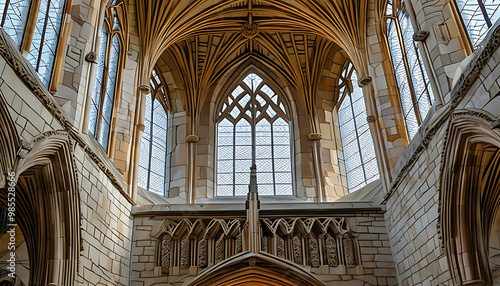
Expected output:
(250, 30)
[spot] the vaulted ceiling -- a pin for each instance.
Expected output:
(206, 39)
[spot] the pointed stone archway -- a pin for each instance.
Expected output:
(250, 268)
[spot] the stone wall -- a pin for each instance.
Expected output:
(373, 257)
(413, 202)
(106, 224)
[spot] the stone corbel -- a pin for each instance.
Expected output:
(91, 57)
(364, 81)
(145, 88)
(420, 35)
(24, 149)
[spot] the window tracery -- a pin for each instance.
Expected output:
(45, 38)
(152, 173)
(413, 83)
(37, 32)
(14, 17)
(269, 122)
(108, 75)
(478, 16)
(357, 143)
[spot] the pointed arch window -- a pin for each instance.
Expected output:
(478, 16)
(107, 77)
(357, 143)
(413, 83)
(236, 124)
(153, 169)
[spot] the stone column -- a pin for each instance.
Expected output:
(378, 141)
(144, 90)
(92, 58)
(252, 207)
(316, 137)
(191, 187)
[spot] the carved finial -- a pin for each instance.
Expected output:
(364, 81)
(192, 139)
(91, 57)
(315, 136)
(250, 30)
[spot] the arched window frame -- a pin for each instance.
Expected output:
(477, 18)
(224, 107)
(150, 141)
(45, 55)
(364, 156)
(113, 27)
(416, 100)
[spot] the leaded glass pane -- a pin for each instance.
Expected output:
(272, 142)
(357, 143)
(109, 92)
(475, 20)
(16, 14)
(45, 37)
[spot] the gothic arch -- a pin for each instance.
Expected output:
(9, 141)
(470, 196)
(250, 268)
(233, 79)
(48, 209)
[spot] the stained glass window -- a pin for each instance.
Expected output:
(357, 143)
(103, 95)
(237, 122)
(153, 157)
(13, 18)
(413, 83)
(45, 37)
(478, 16)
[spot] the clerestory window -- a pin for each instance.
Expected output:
(415, 93)
(357, 143)
(107, 77)
(253, 117)
(153, 171)
(42, 37)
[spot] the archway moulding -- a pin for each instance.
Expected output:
(469, 191)
(250, 267)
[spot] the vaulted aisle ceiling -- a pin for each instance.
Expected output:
(208, 38)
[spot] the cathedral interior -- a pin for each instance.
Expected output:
(249, 142)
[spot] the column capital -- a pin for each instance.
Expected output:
(192, 139)
(315, 136)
